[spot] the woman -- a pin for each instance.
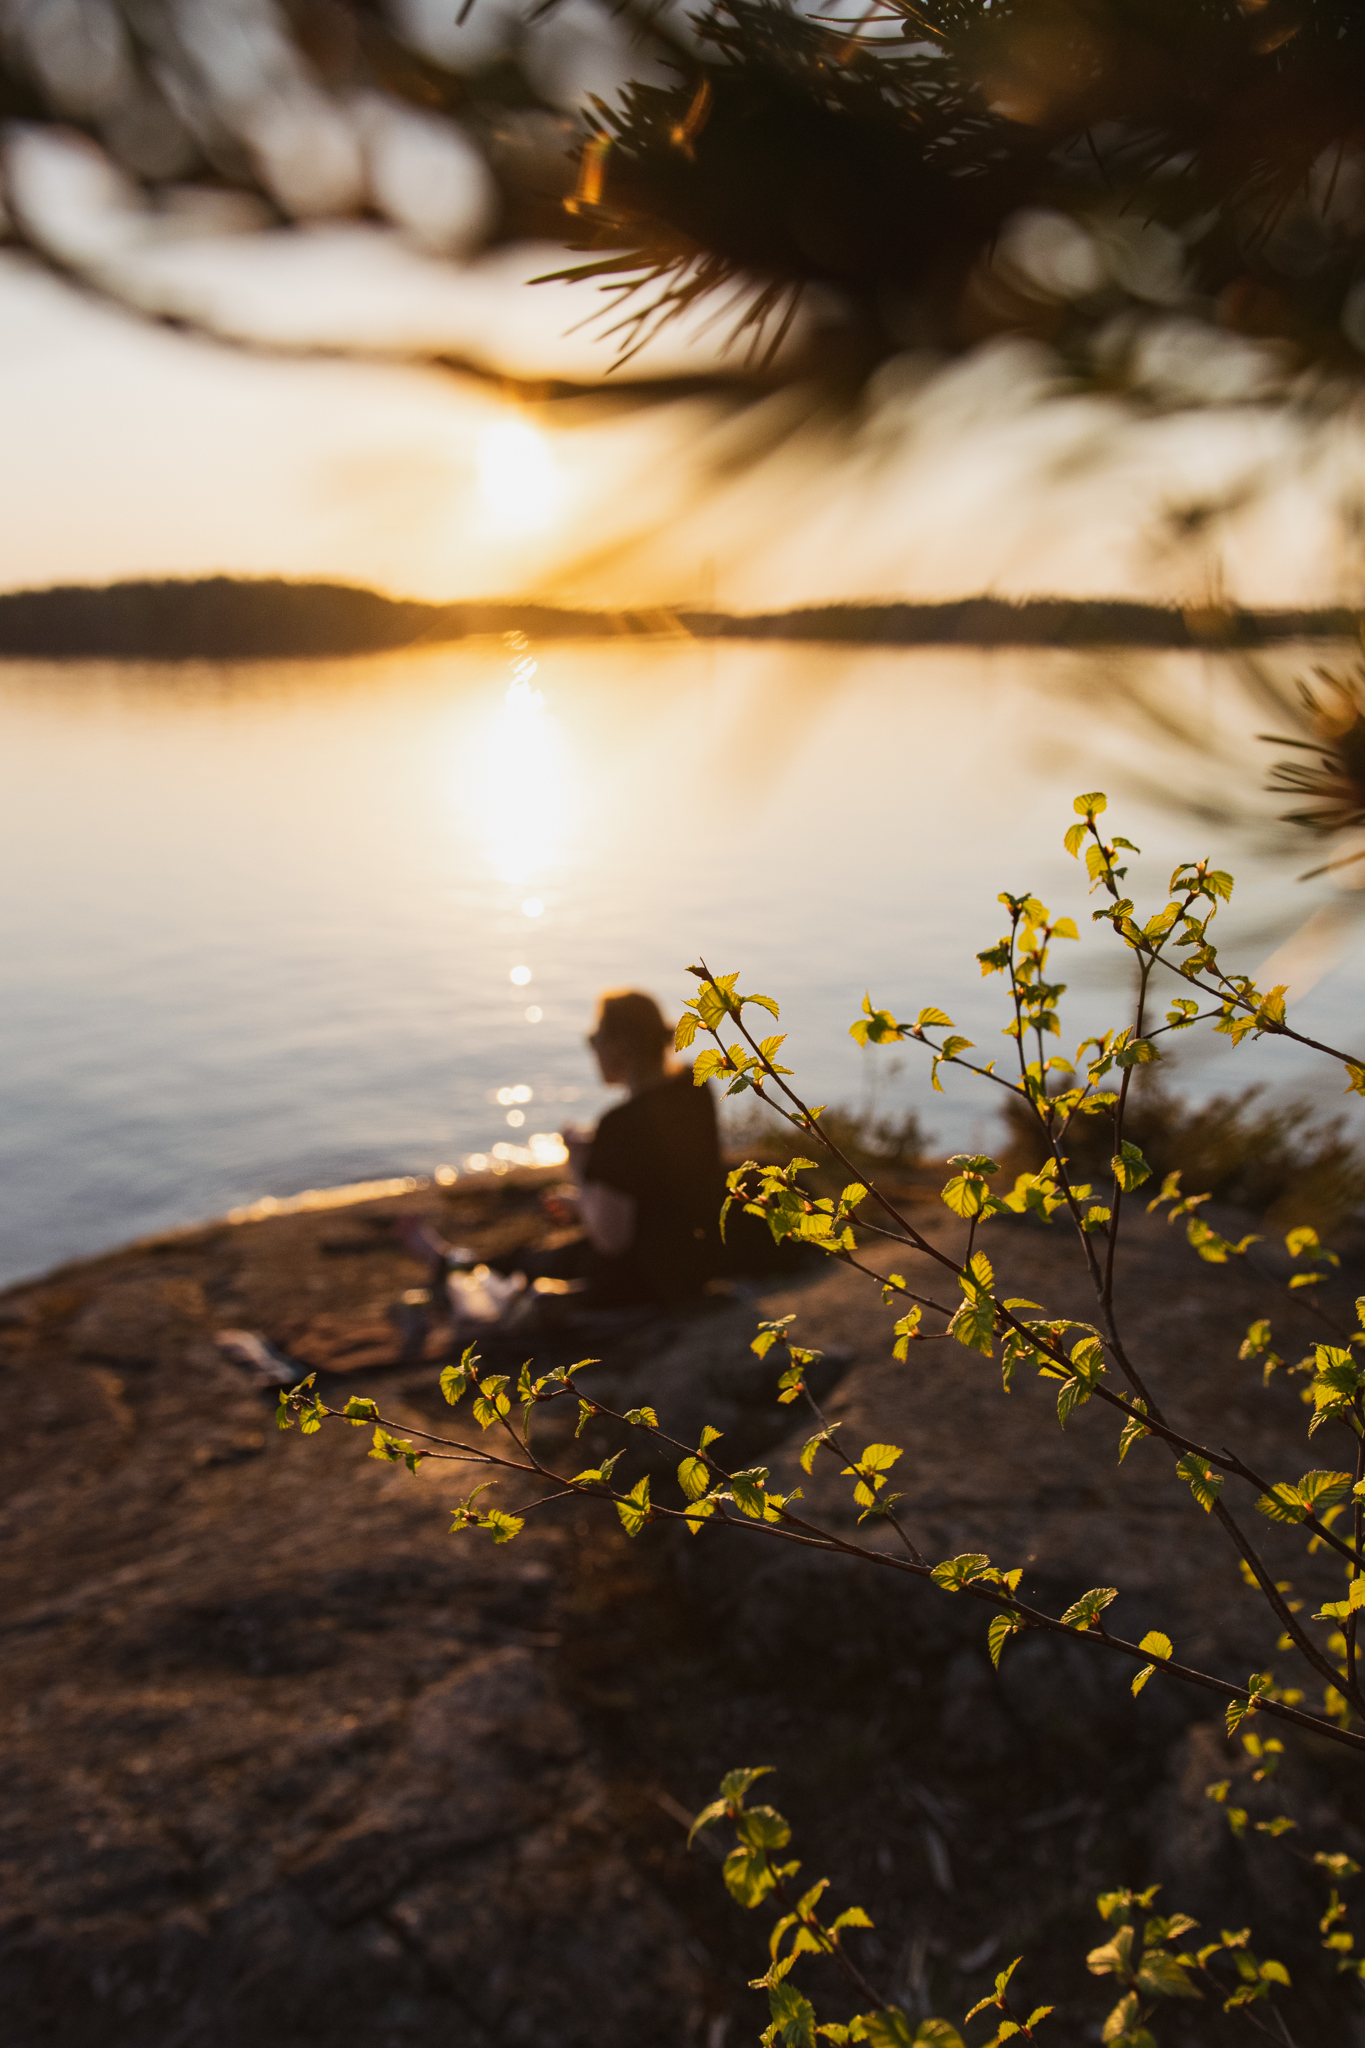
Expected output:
(650, 1177)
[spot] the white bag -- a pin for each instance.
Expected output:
(481, 1297)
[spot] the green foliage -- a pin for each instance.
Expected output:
(1156, 1645)
(1129, 1167)
(1086, 1612)
(870, 1471)
(634, 1509)
(968, 1192)
(1260, 1687)
(1279, 1161)
(457, 1379)
(973, 1324)
(879, 1147)
(1198, 1474)
(1304, 1498)
(1134, 1429)
(1001, 1628)
(879, 1027)
(1069, 1105)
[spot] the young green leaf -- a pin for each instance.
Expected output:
(1140, 1052)
(748, 1877)
(967, 1193)
(905, 1329)
(793, 2018)
(492, 1403)
(600, 1475)
(1130, 1168)
(634, 1510)
(879, 1027)
(1204, 1483)
(891, 2029)
(750, 1491)
(1085, 1612)
(981, 1270)
(1342, 1610)
(735, 1784)
(956, 1572)
(1002, 1627)
(762, 1827)
(694, 1476)
(1161, 1976)
(1296, 1501)
(974, 1325)
(455, 1382)
(1259, 1683)
(1133, 1430)
(1156, 1645)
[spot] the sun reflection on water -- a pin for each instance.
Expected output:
(523, 774)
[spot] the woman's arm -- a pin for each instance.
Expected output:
(608, 1217)
(578, 1144)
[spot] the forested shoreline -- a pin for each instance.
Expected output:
(244, 619)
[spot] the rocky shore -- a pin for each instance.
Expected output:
(285, 1763)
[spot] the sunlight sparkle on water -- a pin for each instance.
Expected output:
(522, 778)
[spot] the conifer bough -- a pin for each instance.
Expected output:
(884, 152)
(879, 152)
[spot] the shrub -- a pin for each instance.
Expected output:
(1310, 1677)
(888, 1146)
(1274, 1160)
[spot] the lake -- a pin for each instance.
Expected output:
(283, 925)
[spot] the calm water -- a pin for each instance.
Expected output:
(272, 927)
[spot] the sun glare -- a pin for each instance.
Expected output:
(519, 480)
(522, 774)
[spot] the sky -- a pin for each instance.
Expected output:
(132, 449)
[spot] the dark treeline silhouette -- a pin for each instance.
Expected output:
(223, 618)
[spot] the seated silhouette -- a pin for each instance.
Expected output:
(650, 1178)
(649, 1183)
